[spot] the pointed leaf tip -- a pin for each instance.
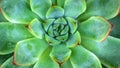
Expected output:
(60, 53)
(36, 28)
(55, 12)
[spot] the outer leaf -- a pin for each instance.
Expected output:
(45, 61)
(36, 28)
(55, 12)
(73, 40)
(108, 51)
(1, 17)
(116, 26)
(10, 34)
(40, 7)
(8, 64)
(54, 2)
(3, 58)
(66, 64)
(82, 58)
(105, 8)
(17, 11)
(60, 53)
(31, 49)
(95, 28)
(73, 8)
(61, 3)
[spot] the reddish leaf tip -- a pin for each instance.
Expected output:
(13, 62)
(111, 27)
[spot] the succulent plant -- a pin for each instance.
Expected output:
(59, 34)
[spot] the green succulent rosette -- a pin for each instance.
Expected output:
(59, 34)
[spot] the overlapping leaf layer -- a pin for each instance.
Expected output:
(59, 33)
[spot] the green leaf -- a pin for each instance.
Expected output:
(63, 38)
(72, 24)
(45, 61)
(105, 8)
(65, 30)
(31, 50)
(17, 11)
(50, 32)
(116, 26)
(60, 21)
(3, 58)
(73, 8)
(54, 2)
(36, 28)
(107, 51)
(9, 64)
(10, 34)
(47, 23)
(60, 53)
(95, 27)
(61, 3)
(73, 40)
(51, 40)
(40, 7)
(82, 58)
(66, 64)
(2, 18)
(55, 12)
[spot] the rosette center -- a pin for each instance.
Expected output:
(59, 30)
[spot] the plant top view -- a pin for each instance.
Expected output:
(59, 33)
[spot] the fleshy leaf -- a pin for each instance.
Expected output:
(50, 32)
(73, 40)
(73, 24)
(105, 8)
(55, 12)
(63, 38)
(8, 64)
(10, 34)
(51, 41)
(66, 64)
(2, 18)
(3, 58)
(45, 61)
(65, 30)
(54, 2)
(61, 3)
(116, 26)
(95, 28)
(40, 7)
(47, 23)
(60, 21)
(107, 51)
(82, 58)
(36, 28)
(31, 50)
(17, 11)
(73, 8)
(60, 53)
